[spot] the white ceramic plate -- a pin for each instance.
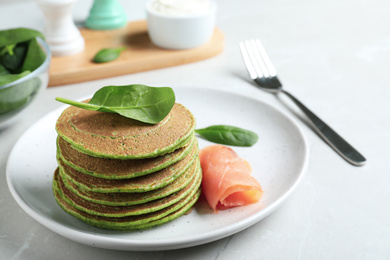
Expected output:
(278, 160)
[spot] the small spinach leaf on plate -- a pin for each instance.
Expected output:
(228, 135)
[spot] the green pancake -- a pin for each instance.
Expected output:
(144, 183)
(122, 211)
(110, 135)
(127, 199)
(115, 168)
(138, 222)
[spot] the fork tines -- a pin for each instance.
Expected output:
(256, 59)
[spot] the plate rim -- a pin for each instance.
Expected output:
(99, 241)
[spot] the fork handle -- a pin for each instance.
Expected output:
(335, 141)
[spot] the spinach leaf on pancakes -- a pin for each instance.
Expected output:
(143, 103)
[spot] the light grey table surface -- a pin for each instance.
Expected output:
(335, 56)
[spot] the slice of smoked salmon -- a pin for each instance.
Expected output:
(227, 180)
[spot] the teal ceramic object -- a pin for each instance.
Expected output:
(106, 15)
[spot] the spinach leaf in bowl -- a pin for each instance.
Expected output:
(8, 78)
(12, 57)
(17, 96)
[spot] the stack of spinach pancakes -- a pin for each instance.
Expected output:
(118, 173)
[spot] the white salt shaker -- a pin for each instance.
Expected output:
(60, 31)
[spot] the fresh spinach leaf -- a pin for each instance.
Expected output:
(228, 135)
(17, 35)
(17, 96)
(106, 55)
(7, 48)
(14, 57)
(35, 56)
(8, 78)
(3, 71)
(139, 102)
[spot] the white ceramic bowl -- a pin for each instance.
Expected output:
(174, 31)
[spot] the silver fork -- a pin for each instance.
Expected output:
(264, 74)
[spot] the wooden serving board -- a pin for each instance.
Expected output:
(140, 55)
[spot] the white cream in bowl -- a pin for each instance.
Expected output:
(181, 24)
(181, 7)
